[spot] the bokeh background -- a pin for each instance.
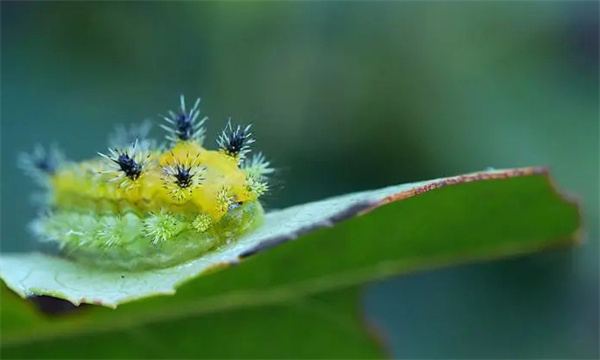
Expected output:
(345, 96)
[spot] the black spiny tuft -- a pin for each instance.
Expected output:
(46, 165)
(184, 126)
(127, 164)
(41, 163)
(130, 167)
(183, 176)
(235, 142)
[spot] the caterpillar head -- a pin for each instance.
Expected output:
(139, 205)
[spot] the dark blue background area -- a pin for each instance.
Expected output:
(345, 97)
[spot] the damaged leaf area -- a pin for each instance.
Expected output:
(297, 276)
(481, 215)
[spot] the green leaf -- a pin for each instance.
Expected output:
(297, 276)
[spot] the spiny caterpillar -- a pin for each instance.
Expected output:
(143, 205)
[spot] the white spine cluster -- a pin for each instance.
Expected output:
(41, 163)
(184, 126)
(235, 142)
(126, 166)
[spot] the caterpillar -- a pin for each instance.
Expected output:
(143, 204)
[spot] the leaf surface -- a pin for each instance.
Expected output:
(301, 257)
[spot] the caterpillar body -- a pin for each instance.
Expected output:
(144, 205)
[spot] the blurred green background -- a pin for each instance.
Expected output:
(345, 96)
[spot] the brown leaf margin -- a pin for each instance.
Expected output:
(365, 207)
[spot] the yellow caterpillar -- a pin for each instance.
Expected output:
(143, 205)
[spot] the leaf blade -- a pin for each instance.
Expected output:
(476, 220)
(279, 227)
